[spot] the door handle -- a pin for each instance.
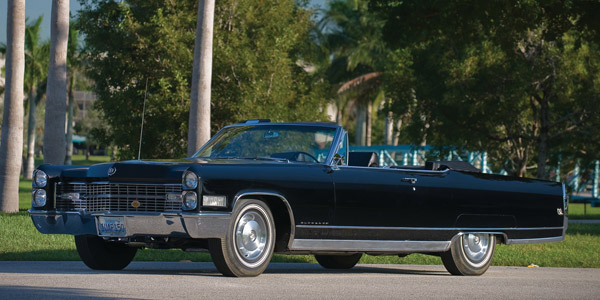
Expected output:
(411, 180)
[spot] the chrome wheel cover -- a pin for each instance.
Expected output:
(252, 235)
(476, 247)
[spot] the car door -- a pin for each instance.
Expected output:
(389, 197)
(371, 196)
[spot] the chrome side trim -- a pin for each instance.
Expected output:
(466, 229)
(399, 169)
(369, 245)
(274, 194)
(534, 241)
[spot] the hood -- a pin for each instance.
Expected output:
(129, 171)
(146, 170)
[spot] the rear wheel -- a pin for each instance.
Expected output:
(248, 246)
(345, 261)
(99, 254)
(470, 254)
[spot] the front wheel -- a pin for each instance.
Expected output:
(248, 246)
(99, 254)
(470, 254)
(346, 261)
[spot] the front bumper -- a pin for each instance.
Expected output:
(194, 225)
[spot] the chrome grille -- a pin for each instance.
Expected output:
(101, 197)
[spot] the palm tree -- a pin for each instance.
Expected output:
(56, 90)
(363, 90)
(199, 123)
(36, 69)
(11, 145)
(353, 37)
(73, 65)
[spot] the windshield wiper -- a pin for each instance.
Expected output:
(216, 157)
(267, 158)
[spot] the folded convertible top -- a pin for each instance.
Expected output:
(452, 165)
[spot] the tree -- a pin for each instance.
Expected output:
(199, 122)
(351, 40)
(256, 73)
(11, 145)
(56, 89)
(258, 69)
(127, 43)
(36, 70)
(490, 75)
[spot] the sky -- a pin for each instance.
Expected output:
(36, 8)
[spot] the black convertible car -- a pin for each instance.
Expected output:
(258, 188)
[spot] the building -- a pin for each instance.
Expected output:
(84, 101)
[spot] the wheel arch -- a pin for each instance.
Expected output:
(285, 226)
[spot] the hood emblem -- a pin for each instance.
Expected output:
(112, 171)
(135, 204)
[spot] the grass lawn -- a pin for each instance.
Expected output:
(19, 240)
(583, 211)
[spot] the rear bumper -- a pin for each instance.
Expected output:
(194, 225)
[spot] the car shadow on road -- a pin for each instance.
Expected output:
(360, 269)
(208, 269)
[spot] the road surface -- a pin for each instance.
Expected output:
(179, 280)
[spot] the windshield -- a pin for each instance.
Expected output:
(271, 142)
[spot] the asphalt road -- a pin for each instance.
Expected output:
(173, 280)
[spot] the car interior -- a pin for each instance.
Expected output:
(371, 159)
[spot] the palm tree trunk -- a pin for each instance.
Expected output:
(361, 124)
(199, 123)
(339, 116)
(389, 128)
(29, 163)
(56, 93)
(369, 123)
(397, 133)
(11, 145)
(544, 137)
(70, 122)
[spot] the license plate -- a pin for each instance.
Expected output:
(111, 226)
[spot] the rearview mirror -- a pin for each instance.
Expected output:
(271, 134)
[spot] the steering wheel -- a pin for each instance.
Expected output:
(308, 155)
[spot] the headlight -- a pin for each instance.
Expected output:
(190, 180)
(40, 179)
(39, 198)
(190, 201)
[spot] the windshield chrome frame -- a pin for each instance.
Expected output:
(339, 133)
(335, 146)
